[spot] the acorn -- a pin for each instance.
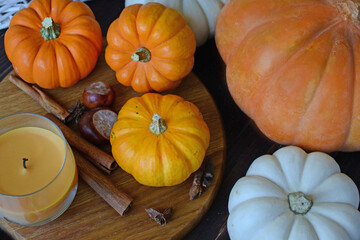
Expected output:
(96, 124)
(98, 94)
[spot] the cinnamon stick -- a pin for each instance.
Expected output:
(120, 201)
(101, 159)
(40, 97)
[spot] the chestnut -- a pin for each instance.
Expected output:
(98, 94)
(96, 124)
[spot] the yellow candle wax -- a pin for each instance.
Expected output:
(37, 174)
(44, 151)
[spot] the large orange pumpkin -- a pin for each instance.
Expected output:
(160, 140)
(53, 43)
(294, 67)
(150, 47)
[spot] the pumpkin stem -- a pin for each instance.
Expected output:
(158, 125)
(348, 9)
(50, 29)
(141, 55)
(299, 203)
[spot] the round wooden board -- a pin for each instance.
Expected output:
(89, 216)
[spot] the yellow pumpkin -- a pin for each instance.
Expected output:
(160, 140)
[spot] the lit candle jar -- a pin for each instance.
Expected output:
(38, 176)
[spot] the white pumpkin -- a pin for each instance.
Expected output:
(294, 195)
(200, 15)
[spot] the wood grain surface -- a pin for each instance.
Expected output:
(90, 217)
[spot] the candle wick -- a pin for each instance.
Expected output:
(24, 162)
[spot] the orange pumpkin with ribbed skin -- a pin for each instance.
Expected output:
(53, 43)
(150, 47)
(294, 67)
(160, 140)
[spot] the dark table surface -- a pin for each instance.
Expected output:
(243, 140)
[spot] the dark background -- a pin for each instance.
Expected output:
(243, 140)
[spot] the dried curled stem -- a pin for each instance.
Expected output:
(196, 188)
(160, 217)
(209, 174)
(202, 179)
(76, 112)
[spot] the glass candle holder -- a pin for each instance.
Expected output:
(38, 175)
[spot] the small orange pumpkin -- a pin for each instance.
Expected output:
(160, 140)
(150, 47)
(53, 43)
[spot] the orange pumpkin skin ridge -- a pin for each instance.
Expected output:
(293, 66)
(59, 62)
(164, 32)
(159, 160)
